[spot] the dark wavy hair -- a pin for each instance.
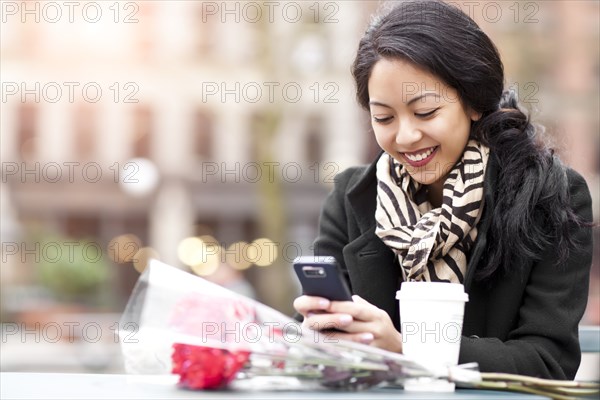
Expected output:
(441, 39)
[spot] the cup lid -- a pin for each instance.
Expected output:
(432, 291)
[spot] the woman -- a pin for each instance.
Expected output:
(464, 191)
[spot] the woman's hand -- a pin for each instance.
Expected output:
(357, 320)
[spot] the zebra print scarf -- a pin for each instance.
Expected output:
(431, 244)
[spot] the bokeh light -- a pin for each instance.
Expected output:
(264, 251)
(122, 248)
(202, 254)
(189, 251)
(139, 177)
(143, 256)
(235, 256)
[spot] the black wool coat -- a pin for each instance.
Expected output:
(525, 322)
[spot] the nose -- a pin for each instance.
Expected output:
(408, 134)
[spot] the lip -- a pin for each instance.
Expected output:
(423, 161)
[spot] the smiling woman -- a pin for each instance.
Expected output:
(465, 191)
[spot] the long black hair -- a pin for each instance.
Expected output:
(532, 183)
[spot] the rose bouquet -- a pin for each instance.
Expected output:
(213, 338)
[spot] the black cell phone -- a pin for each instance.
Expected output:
(320, 276)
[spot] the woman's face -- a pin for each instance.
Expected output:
(418, 120)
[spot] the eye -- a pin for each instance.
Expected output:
(383, 120)
(427, 114)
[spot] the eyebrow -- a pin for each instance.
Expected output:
(414, 99)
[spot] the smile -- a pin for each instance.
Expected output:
(421, 157)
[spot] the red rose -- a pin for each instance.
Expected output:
(205, 367)
(202, 367)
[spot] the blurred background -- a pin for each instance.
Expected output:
(207, 135)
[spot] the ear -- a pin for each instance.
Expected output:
(473, 115)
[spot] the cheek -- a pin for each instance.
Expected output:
(441, 131)
(381, 137)
(452, 132)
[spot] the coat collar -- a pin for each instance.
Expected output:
(363, 196)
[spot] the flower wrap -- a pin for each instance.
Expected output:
(213, 338)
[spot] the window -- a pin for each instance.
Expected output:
(142, 131)
(81, 226)
(314, 139)
(203, 136)
(85, 132)
(206, 28)
(26, 131)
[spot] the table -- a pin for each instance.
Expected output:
(20, 385)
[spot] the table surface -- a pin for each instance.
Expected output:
(21, 385)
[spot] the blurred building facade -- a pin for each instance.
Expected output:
(162, 121)
(182, 119)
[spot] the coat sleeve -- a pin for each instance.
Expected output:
(544, 341)
(333, 235)
(333, 222)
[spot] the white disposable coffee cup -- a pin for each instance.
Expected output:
(431, 315)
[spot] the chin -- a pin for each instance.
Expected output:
(425, 180)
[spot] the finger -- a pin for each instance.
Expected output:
(305, 304)
(324, 321)
(360, 326)
(363, 311)
(361, 337)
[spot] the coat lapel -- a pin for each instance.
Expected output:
(491, 175)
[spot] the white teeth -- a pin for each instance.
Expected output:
(419, 157)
